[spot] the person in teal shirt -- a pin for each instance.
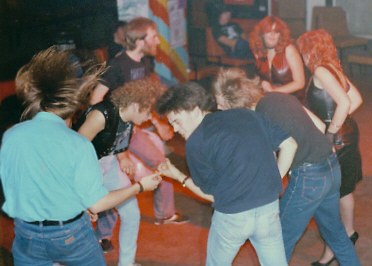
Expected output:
(50, 173)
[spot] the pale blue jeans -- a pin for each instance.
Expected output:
(261, 225)
(145, 145)
(113, 179)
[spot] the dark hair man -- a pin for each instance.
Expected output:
(230, 36)
(230, 156)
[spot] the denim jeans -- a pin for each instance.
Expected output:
(229, 232)
(105, 224)
(72, 244)
(314, 190)
(241, 50)
(148, 147)
(113, 179)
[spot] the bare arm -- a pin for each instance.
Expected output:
(316, 120)
(98, 93)
(323, 78)
(286, 154)
(355, 98)
(171, 171)
(116, 197)
(298, 75)
(94, 123)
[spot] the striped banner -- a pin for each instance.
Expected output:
(171, 62)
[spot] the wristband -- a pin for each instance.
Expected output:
(141, 187)
(184, 181)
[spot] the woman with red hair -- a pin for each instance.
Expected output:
(332, 97)
(278, 63)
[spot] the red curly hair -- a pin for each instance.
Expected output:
(319, 48)
(256, 42)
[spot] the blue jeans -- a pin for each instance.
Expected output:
(314, 190)
(229, 232)
(144, 145)
(72, 244)
(105, 224)
(113, 179)
(241, 50)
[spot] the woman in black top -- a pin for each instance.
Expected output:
(332, 97)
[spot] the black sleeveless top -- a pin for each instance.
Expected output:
(323, 106)
(320, 102)
(116, 135)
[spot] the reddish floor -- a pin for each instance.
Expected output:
(186, 244)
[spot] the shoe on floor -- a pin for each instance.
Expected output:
(176, 218)
(106, 245)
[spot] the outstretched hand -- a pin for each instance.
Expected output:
(168, 169)
(151, 182)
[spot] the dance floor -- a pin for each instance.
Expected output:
(185, 244)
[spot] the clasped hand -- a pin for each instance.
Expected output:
(151, 182)
(168, 169)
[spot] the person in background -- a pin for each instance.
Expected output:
(230, 156)
(109, 125)
(230, 36)
(333, 98)
(133, 64)
(118, 44)
(50, 173)
(313, 188)
(278, 62)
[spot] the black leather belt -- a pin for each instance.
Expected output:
(48, 223)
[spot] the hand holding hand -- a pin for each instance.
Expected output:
(168, 169)
(151, 182)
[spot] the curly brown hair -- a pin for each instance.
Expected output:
(49, 83)
(237, 89)
(256, 42)
(144, 91)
